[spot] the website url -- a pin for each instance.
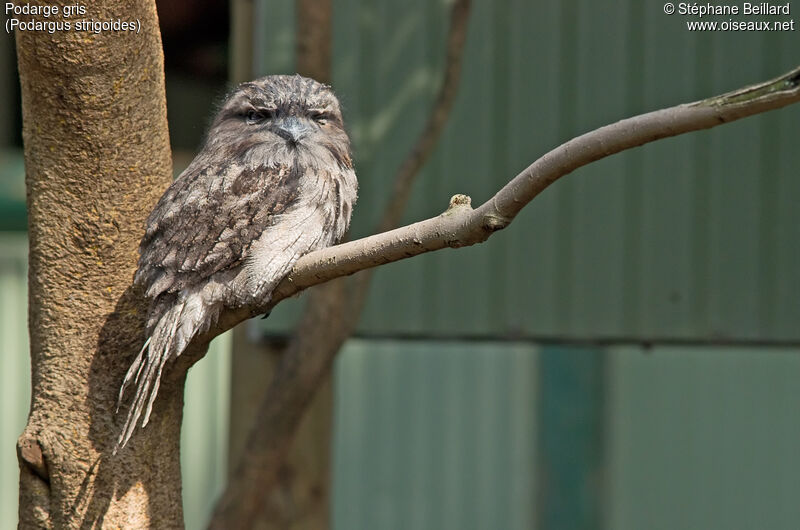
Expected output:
(735, 25)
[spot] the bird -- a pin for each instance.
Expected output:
(273, 181)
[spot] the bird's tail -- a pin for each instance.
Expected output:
(169, 338)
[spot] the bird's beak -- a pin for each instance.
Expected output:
(291, 129)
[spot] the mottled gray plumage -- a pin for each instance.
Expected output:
(273, 181)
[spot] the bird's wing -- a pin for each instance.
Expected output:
(206, 221)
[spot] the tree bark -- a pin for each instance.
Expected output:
(97, 158)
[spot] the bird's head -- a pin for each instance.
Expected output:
(284, 119)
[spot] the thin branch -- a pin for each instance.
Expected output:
(461, 225)
(422, 150)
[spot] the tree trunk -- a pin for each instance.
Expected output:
(97, 159)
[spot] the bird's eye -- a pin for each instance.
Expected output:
(256, 116)
(253, 116)
(320, 117)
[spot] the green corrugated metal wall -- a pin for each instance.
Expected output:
(15, 373)
(435, 435)
(703, 437)
(691, 238)
(443, 435)
(204, 436)
(205, 425)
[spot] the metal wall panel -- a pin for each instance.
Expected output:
(204, 435)
(435, 435)
(444, 435)
(15, 373)
(570, 432)
(695, 237)
(703, 437)
(205, 426)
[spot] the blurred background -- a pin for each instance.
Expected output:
(625, 355)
